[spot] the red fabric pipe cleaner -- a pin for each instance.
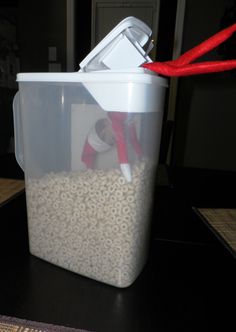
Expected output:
(183, 66)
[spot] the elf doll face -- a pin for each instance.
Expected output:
(104, 131)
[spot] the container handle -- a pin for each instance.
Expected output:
(18, 131)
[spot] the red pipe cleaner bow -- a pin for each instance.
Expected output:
(183, 66)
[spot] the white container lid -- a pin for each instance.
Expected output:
(110, 66)
(123, 47)
(135, 75)
(117, 57)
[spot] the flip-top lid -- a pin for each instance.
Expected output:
(126, 46)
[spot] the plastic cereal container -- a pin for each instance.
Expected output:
(88, 143)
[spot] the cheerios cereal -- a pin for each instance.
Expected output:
(92, 222)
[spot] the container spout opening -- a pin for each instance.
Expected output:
(126, 46)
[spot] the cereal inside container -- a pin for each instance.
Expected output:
(92, 222)
(88, 143)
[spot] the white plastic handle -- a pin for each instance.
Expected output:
(18, 131)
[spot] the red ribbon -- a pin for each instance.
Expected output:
(183, 66)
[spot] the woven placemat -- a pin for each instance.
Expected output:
(10, 324)
(9, 188)
(222, 221)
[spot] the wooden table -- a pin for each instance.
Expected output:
(9, 189)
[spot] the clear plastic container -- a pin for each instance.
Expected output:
(89, 145)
